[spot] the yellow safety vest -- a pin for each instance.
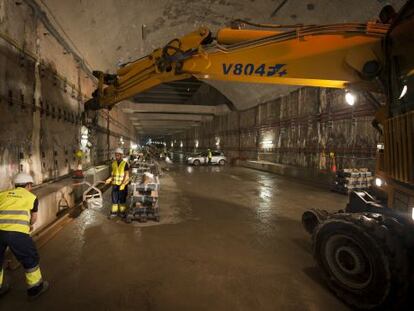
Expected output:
(118, 172)
(15, 207)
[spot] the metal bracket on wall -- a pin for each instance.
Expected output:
(53, 111)
(10, 98)
(42, 70)
(22, 104)
(34, 108)
(22, 59)
(47, 109)
(42, 107)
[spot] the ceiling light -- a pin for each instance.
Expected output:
(379, 182)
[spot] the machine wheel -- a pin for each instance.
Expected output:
(222, 162)
(196, 162)
(362, 259)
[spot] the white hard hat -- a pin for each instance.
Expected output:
(23, 178)
(119, 150)
(149, 175)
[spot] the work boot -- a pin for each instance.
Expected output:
(4, 289)
(35, 292)
(112, 216)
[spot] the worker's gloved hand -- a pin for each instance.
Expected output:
(108, 181)
(122, 187)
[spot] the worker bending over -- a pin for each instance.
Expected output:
(119, 179)
(18, 213)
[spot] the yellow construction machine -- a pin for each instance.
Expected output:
(365, 251)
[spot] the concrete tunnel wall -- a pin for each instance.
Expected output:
(42, 91)
(311, 128)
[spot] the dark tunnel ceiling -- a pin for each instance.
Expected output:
(115, 31)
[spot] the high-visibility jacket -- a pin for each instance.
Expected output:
(210, 155)
(15, 207)
(118, 172)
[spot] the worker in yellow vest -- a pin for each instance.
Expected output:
(209, 156)
(18, 213)
(119, 179)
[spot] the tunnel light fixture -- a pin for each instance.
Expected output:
(379, 182)
(217, 141)
(172, 144)
(84, 138)
(196, 143)
(350, 98)
(181, 144)
(380, 146)
(267, 143)
(404, 91)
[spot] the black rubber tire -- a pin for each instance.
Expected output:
(196, 162)
(365, 242)
(222, 162)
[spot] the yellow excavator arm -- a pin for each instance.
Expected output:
(336, 56)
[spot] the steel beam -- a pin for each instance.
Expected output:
(172, 117)
(129, 107)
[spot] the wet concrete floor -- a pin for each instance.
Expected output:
(230, 239)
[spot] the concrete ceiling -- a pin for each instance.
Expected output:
(110, 32)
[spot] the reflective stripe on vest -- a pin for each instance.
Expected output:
(1, 276)
(13, 212)
(15, 207)
(14, 221)
(118, 172)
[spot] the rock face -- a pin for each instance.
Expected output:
(42, 91)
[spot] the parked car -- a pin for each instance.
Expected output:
(201, 158)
